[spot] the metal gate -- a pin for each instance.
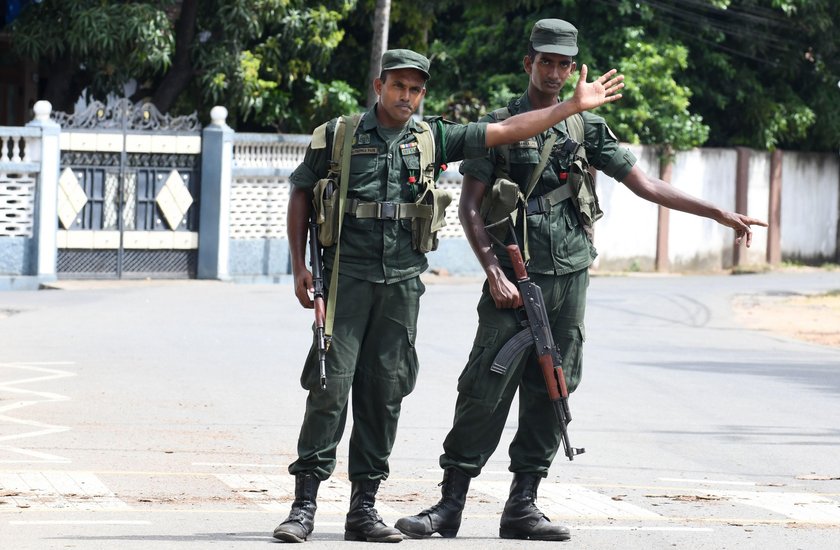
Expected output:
(129, 193)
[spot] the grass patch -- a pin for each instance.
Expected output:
(751, 269)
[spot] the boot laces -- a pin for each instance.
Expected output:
(296, 516)
(434, 508)
(374, 515)
(297, 513)
(533, 506)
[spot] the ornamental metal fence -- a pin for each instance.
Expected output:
(120, 190)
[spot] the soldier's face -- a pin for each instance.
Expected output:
(400, 95)
(549, 71)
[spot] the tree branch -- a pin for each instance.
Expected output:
(178, 76)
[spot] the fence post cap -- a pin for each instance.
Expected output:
(218, 114)
(42, 110)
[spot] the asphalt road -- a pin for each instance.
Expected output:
(162, 415)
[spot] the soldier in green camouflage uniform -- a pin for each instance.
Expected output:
(560, 255)
(379, 287)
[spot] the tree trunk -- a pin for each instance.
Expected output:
(381, 23)
(64, 83)
(178, 77)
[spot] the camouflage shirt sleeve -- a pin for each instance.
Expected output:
(603, 150)
(462, 141)
(481, 167)
(316, 160)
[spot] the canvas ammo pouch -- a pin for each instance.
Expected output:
(500, 201)
(583, 184)
(424, 228)
(325, 202)
(430, 200)
(325, 194)
(585, 200)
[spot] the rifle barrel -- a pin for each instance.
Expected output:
(318, 299)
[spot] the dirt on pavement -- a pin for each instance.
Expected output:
(812, 318)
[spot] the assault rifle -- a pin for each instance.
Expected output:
(319, 299)
(537, 333)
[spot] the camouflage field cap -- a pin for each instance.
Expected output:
(405, 59)
(554, 36)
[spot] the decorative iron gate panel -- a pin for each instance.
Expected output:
(129, 193)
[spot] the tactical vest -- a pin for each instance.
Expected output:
(427, 213)
(505, 198)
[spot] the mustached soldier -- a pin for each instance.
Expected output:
(378, 255)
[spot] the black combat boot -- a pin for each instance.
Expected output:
(301, 520)
(363, 521)
(522, 519)
(445, 516)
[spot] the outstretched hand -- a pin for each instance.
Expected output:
(604, 89)
(741, 224)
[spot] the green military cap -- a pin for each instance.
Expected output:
(405, 59)
(554, 36)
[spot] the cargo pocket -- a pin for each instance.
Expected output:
(412, 161)
(364, 160)
(408, 375)
(476, 380)
(571, 349)
(310, 377)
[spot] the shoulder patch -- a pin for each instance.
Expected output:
(319, 137)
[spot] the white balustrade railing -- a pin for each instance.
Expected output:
(268, 154)
(19, 148)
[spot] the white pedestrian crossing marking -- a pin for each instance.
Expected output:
(571, 501)
(56, 489)
(73, 490)
(275, 493)
(15, 428)
(797, 506)
(80, 522)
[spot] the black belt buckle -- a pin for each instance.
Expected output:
(387, 211)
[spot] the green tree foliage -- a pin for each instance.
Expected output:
(763, 72)
(655, 108)
(266, 60)
(758, 73)
(99, 45)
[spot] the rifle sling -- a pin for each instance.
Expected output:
(545, 152)
(544, 203)
(350, 125)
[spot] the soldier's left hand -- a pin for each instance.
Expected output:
(603, 89)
